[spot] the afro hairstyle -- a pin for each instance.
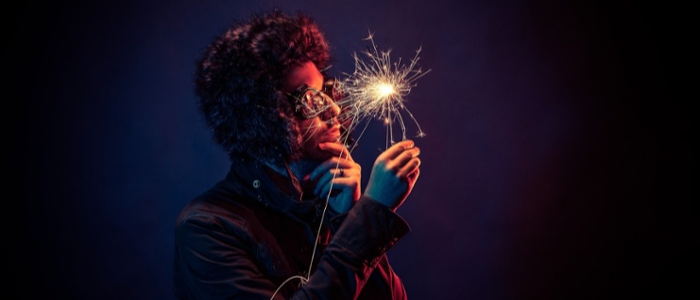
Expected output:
(238, 80)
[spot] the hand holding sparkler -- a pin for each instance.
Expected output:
(394, 174)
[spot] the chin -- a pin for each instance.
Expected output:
(317, 156)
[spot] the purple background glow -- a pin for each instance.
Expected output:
(554, 167)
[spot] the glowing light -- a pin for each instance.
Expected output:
(377, 89)
(383, 90)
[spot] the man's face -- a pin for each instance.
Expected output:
(316, 129)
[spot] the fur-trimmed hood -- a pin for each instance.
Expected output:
(238, 79)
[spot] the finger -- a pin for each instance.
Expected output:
(351, 172)
(332, 184)
(331, 164)
(404, 158)
(335, 184)
(396, 149)
(322, 186)
(413, 177)
(410, 167)
(336, 149)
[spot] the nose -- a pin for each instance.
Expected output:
(334, 109)
(331, 112)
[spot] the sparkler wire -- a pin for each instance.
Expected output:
(375, 90)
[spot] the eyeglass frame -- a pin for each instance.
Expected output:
(329, 88)
(303, 108)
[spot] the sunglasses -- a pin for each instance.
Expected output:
(310, 102)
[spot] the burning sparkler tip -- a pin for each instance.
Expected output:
(377, 88)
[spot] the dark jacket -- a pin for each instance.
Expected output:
(245, 239)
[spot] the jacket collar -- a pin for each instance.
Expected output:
(255, 180)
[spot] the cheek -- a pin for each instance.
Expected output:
(309, 128)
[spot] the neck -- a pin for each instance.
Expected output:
(300, 169)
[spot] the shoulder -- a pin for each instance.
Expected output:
(217, 208)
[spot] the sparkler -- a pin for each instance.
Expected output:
(377, 89)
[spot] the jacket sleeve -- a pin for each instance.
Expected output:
(216, 265)
(356, 256)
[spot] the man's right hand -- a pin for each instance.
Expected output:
(394, 174)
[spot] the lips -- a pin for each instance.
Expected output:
(334, 133)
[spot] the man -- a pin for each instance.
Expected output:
(289, 221)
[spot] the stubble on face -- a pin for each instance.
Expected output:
(314, 131)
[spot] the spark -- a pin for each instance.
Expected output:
(377, 89)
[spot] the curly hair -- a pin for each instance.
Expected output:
(238, 81)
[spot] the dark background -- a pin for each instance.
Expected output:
(557, 162)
